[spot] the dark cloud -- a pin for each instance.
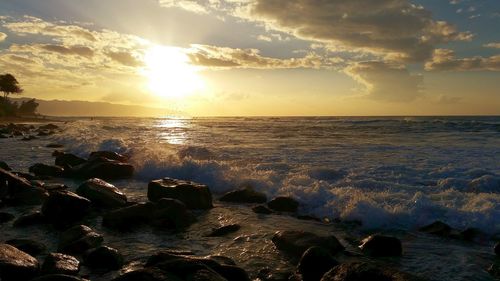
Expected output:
(445, 60)
(124, 58)
(71, 50)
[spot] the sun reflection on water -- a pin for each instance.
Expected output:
(173, 130)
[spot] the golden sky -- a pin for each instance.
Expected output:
(259, 57)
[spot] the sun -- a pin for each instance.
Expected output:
(169, 72)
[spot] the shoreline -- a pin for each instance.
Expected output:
(27, 120)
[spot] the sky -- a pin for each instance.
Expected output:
(259, 57)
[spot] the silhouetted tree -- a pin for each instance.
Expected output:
(9, 85)
(28, 107)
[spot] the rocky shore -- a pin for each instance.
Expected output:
(172, 205)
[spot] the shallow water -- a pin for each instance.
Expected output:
(391, 174)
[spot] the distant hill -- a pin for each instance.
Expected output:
(86, 108)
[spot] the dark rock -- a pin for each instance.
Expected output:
(473, 234)
(171, 214)
(63, 207)
(46, 170)
(247, 195)
(224, 230)
(102, 194)
(295, 243)
(34, 218)
(19, 191)
(283, 204)
(261, 209)
(15, 183)
(381, 246)
(315, 262)
(103, 168)
(129, 217)
(194, 195)
(437, 228)
(205, 274)
(57, 263)
(31, 196)
(497, 249)
(54, 187)
(6, 217)
(147, 274)
(267, 274)
(58, 277)
(363, 271)
(79, 239)
(4, 166)
(108, 155)
(104, 258)
(68, 159)
(31, 247)
(16, 265)
(54, 145)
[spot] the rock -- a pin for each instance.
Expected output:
(31, 247)
(54, 145)
(194, 195)
(34, 218)
(473, 234)
(267, 274)
(261, 209)
(295, 243)
(19, 191)
(63, 207)
(28, 138)
(55, 187)
(494, 269)
(247, 195)
(129, 217)
(363, 271)
(14, 182)
(224, 230)
(381, 246)
(103, 168)
(31, 196)
(108, 155)
(58, 277)
(283, 204)
(6, 217)
(46, 170)
(147, 274)
(49, 126)
(437, 228)
(315, 262)
(78, 239)
(497, 249)
(4, 166)
(16, 264)
(68, 159)
(102, 194)
(104, 258)
(57, 263)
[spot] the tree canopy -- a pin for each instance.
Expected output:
(9, 85)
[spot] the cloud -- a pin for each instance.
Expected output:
(71, 50)
(188, 5)
(125, 58)
(3, 36)
(492, 45)
(445, 60)
(386, 81)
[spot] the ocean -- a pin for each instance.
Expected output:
(383, 174)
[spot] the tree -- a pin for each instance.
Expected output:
(9, 85)
(28, 107)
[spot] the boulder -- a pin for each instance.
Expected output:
(19, 191)
(147, 274)
(78, 239)
(16, 264)
(57, 263)
(104, 258)
(102, 194)
(14, 183)
(224, 230)
(283, 204)
(34, 218)
(108, 155)
(103, 168)
(31, 196)
(129, 217)
(437, 228)
(46, 170)
(31, 247)
(364, 271)
(4, 166)
(315, 262)
(261, 209)
(295, 243)
(246, 195)
(6, 217)
(68, 160)
(58, 277)
(63, 207)
(194, 195)
(381, 246)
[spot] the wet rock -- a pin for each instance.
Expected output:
(437, 228)
(108, 155)
(381, 246)
(261, 209)
(54, 187)
(283, 204)
(14, 183)
(247, 195)
(68, 159)
(4, 166)
(497, 249)
(224, 230)
(58, 277)
(46, 170)
(267, 274)
(57, 263)
(16, 264)
(147, 274)
(102, 194)
(104, 258)
(363, 271)
(79, 239)
(103, 168)
(315, 262)
(63, 207)
(194, 195)
(31, 247)
(30, 196)
(34, 218)
(6, 217)
(129, 217)
(295, 243)
(19, 191)
(54, 145)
